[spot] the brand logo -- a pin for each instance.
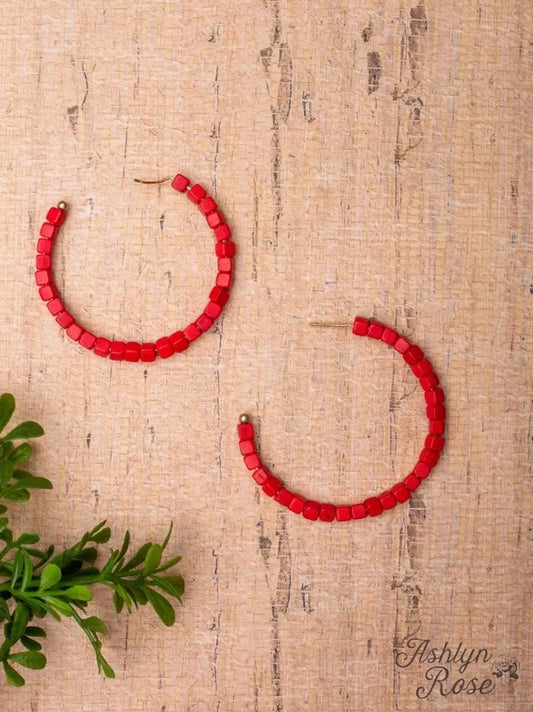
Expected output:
(451, 669)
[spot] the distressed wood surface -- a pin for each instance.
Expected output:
(373, 158)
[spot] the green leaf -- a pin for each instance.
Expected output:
(50, 575)
(3, 522)
(35, 631)
(32, 660)
(88, 554)
(7, 408)
(106, 667)
(31, 482)
(22, 453)
(152, 559)
(169, 564)
(161, 606)
(175, 584)
(94, 624)
(167, 538)
(12, 675)
(118, 602)
(6, 472)
(28, 429)
(138, 557)
(18, 563)
(27, 571)
(102, 536)
(30, 644)
(58, 604)
(28, 539)
(6, 535)
(78, 593)
(19, 622)
(16, 495)
(3, 509)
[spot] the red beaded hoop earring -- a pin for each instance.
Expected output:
(400, 492)
(131, 350)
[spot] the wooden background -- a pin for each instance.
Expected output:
(373, 158)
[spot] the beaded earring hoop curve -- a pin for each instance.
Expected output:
(400, 492)
(132, 350)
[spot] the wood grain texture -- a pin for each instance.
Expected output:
(373, 158)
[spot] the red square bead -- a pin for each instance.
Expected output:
(215, 219)
(56, 216)
(435, 397)
(164, 347)
(87, 340)
(44, 262)
(179, 341)
(412, 482)
(261, 475)
(225, 248)
(204, 322)
(413, 355)
(196, 193)
(102, 346)
(430, 381)
(271, 485)
(180, 183)
(422, 470)
(252, 461)
(219, 296)
(436, 427)
(213, 310)
(435, 442)
(65, 319)
(117, 351)
(245, 431)
(344, 513)
(147, 353)
(375, 330)
(192, 332)
(311, 510)
(45, 246)
(373, 506)
(224, 279)
(359, 511)
(388, 500)
(327, 512)
(297, 504)
(401, 345)
(389, 336)
(401, 492)
(436, 412)
(43, 277)
(422, 368)
(207, 205)
(132, 351)
(284, 497)
(74, 331)
(223, 232)
(55, 307)
(360, 326)
(48, 230)
(247, 447)
(429, 457)
(48, 292)
(225, 264)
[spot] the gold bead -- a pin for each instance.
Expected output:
(243, 418)
(62, 205)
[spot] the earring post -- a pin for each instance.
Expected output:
(332, 324)
(152, 182)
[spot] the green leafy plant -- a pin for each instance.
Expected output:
(35, 582)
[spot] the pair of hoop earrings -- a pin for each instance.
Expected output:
(180, 340)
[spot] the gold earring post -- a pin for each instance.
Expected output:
(332, 324)
(152, 182)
